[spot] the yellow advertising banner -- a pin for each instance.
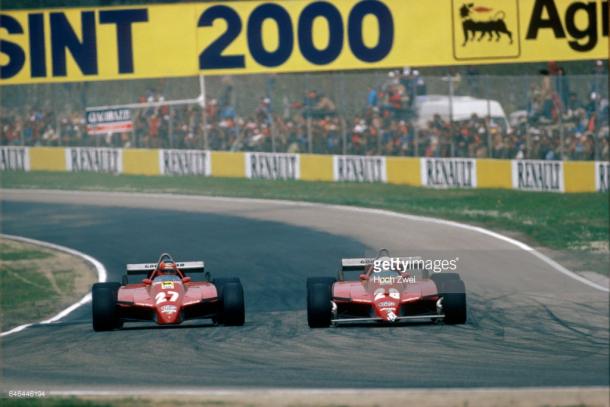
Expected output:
(107, 43)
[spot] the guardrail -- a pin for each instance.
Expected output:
(529, 175)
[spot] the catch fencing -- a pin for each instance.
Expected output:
(383, 113)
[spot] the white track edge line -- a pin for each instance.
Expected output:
(556, 266)
(101, 276)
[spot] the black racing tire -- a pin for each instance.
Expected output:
(219, 283)
(233, 310)
(454, 308)
(321, 280)
(104, 311)
(319, 309)
(453, 291)
(441, 278)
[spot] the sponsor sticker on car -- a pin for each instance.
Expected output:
(167, 285)
(169, 309)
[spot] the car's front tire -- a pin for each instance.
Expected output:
(105, 314)
(319, 297)
(233, 309)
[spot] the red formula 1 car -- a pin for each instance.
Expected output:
(167, 296)
(386, 294)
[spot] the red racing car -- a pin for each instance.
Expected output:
(167, 296)
(386, 294)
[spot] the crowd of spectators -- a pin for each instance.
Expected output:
(385, 125)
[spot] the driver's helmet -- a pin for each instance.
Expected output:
(382, 261)
(382, 256)
(383, 253)
(168, 267)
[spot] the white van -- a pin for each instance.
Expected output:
(463, 108)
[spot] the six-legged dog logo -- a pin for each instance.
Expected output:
(479, 20)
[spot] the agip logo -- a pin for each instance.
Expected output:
(486, 29)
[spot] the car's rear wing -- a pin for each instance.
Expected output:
(357, 264)
(146, 268)
(360, 264)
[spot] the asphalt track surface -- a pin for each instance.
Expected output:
(528, 325)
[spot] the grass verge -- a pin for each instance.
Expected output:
(574, 224)
(567, 397)
(36, 282)
(54, 402)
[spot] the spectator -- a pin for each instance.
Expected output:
(383, 124)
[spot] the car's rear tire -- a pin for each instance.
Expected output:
(233, 310)
(219, 283)
(104, 311)
(453, 291)
(319, 297)
(440, 278)
(321, 280)
(454, 308)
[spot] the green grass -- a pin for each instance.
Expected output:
(574, 223)
(52, 402)
(24, 292)
(138, 402)
(26, 296)
(107, 402)
(9, 253)
(33, 285)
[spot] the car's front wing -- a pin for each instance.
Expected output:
(404, 318)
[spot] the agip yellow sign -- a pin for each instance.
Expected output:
(486, 30)
(291, 36)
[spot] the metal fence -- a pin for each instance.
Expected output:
(372, 112)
